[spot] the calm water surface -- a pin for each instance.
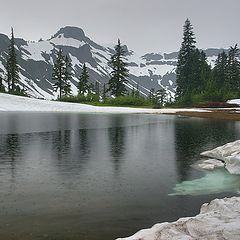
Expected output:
(99, 177)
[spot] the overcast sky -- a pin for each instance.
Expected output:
(144, 25)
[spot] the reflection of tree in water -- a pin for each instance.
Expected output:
(9, 149)
(71, 150)
(192, 136)
(117, 142)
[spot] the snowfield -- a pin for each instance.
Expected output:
(16, 103)
(219, 219)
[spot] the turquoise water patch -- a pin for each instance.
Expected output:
(217, 181)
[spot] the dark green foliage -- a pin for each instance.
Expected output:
(119, 73)
(219, 72)
(97, 88)
(233, 70)
(192, 70)
(104, 92)
(2, 88)
(185, 64)
(67, 77)
(89, 98)
(12, 68)
(59, 73)
(127, 101)
(83, 85)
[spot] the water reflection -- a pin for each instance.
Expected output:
(76, 176)
(117, 142)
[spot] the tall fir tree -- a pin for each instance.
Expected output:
(119, 73)
(185, 61)
(59, 73)
(83, 85)
(12, 67)
(219, 72)
(67, 77)
(233, 70)
(2, 88)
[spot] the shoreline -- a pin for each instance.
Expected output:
(13, 103)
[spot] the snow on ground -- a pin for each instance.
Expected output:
(218, 219)
(229, 153)
(16, 103)
(234, 101)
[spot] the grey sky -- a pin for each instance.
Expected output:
(144, 25)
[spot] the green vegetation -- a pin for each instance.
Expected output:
(62, 74)
(119, 74)
(197, 82)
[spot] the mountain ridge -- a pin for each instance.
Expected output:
(36, 59)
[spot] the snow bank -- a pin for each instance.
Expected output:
(16, 103)
(209, 164)
(218, 219)
(229, 153)
(234, 101)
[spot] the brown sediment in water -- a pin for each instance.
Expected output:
(224, 114)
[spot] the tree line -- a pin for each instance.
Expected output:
(195, 79)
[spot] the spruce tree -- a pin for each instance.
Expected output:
(185, 61)
(219, 71)
(119, 72)
(83, 85)
(2, 89)
(67, 77)
(233, 70)
(59, 73)
(12, 68)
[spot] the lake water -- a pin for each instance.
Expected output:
(102, 176)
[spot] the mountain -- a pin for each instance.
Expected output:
(152, 70)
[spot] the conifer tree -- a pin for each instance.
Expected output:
(104, 92)
(185, 61)
(119, 73)
(83, 85)
(2, 89)
(233, 69)
(219, 71)
(59, 71)
(97, 88)
(67, 77)
(12, 68)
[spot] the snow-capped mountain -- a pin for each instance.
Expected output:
(152, 70)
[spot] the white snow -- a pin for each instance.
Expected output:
(210, 164)
(234, 101)
(229, 153)
(70, 42)
(36, 50)
(16, 103)
(219, 219)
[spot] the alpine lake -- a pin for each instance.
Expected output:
(69, 176)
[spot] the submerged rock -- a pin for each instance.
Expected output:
(218, 219)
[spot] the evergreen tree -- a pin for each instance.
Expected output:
(161, 96)
(119, 73)
(97, 88)
(2, 89)
(219, 71)
(233, 70)
(67, 77)
(59, 71)
(12, 68)
(83, 86)
(184, 71)
(104, 93)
